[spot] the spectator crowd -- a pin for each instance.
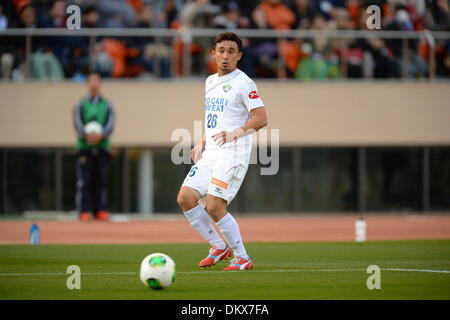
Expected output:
(56, 57)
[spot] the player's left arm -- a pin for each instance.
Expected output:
(109, 124)
(258, 120)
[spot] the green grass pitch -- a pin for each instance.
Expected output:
(282, 271)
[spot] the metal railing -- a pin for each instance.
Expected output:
(187, 36)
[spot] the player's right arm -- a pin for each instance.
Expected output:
(78, 121)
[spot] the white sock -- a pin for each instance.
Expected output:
(230, 230)
(201, 222)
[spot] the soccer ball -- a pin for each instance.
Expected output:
(93, 127)
(157, 271)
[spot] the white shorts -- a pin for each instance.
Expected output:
(220, 175)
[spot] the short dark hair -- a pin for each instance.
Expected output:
(94, 73)
(228, 36)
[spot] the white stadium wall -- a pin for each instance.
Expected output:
(319, 114)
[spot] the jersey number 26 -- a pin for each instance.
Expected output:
(212, 120)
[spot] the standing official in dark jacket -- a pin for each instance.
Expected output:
(94, 123)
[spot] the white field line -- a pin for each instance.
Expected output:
(221, 272)
(420, 270)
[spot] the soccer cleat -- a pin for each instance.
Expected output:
(102, 215)
(85, 216)
(215, 255)
(239, 264)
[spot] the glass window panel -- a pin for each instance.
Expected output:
(267, 193)
(69, 179)
(393, 178)
(31, 180)
(2, 180)
(328, 179)
(115, 181)
(168, 180)
(440, 178)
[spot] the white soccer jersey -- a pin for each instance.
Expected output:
(228, 101)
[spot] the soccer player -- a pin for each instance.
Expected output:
(233, 111)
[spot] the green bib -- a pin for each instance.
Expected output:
(93, 112)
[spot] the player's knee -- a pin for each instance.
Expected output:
(186, 201)
(216, 210)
